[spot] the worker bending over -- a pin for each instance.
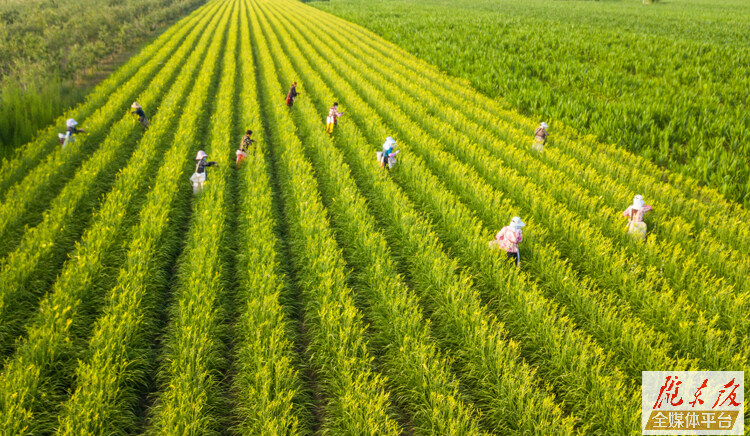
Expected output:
(634, 213)
(245, 146)
(292, 95)
(138, 110)
(199, 176)
(387, 157)
(508, 239)
(70, 130)
(540, 136)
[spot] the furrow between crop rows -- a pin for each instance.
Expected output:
(34, 380)
(27, 271)
(355, 400)
(269, 391)
(424, 248)
(112, 377)
(191, 401)
(417, 374)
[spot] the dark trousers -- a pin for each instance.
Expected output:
(513, 256)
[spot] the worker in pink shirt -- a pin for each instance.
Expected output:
(634, 214)
(508, 239)
(333, 117)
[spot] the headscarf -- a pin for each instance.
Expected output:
(516, 223)
(638, 202)
(389, 144)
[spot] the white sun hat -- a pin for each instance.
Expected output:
(638, 202)
(71, 122)
(516, 223)
(543, 124)
(135, 105)
(201, 154)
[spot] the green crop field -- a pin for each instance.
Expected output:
(669, 81)
(309, 291)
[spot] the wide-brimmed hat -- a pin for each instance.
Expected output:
(135, 105)
(201, 154)
(544, 125)
(516, 223)
(638, 202)
(71, 122)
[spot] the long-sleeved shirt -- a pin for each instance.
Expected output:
(508, 238)
(637, 217)
(139, 111)
(73, 130)
(293, 92)
(541, 132)
(200, 167)
(334, 113)
(246, 143)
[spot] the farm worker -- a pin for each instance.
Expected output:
(540, 136)
(70, 130)
(508, 238)
(292, 94)
(199, 176)
(138, 110)
(387, 157)
(333, 117)
(634, 214)
(245, 145)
